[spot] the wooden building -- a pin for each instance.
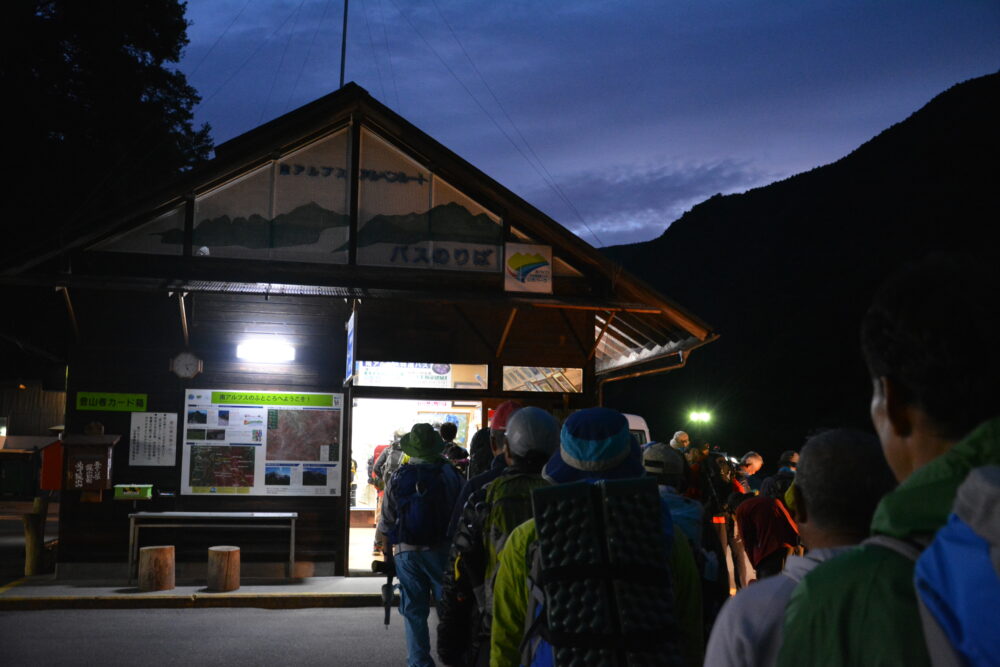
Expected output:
(383, 265)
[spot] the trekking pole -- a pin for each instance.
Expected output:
(387, 598)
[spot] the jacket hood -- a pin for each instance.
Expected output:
(922, 503)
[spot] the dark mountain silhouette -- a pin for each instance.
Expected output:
(447, 222)
(301, 226)
(785, 273)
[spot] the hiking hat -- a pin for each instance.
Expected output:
(422, 442)
(660, 459)
(502, 414)
(595, 443)
(532, 430)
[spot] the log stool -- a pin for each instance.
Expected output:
(156, 568)
(223, 568)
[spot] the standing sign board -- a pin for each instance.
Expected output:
(261, 443)
(528, 268)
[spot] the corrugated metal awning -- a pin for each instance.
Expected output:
(628, 338)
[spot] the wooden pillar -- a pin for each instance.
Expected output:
(34, 531)
(156, 568)
(223, 568)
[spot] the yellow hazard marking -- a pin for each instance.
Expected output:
(16, 582)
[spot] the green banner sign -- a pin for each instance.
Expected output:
(270, 398)
(99, 400)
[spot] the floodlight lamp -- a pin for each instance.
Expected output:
(265, 352)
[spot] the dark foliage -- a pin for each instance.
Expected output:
(97, 116)
(785, 272)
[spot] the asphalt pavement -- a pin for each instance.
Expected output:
(186, 637)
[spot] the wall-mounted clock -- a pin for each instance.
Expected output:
(186, 365)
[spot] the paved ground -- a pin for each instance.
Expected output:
(167, 637)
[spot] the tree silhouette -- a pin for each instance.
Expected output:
(99, 117)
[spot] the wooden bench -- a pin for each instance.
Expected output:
(199, 520)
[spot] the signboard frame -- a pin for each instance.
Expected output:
(262, 443)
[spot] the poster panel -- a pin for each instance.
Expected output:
(153, 439)
(261, 443)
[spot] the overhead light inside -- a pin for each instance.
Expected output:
(265, 352)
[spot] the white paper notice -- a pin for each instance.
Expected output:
(153, 439)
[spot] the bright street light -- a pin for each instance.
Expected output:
(700, 417)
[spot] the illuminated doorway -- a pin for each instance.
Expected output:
(375, 423)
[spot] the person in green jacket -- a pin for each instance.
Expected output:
(613, 458)
(930, 343)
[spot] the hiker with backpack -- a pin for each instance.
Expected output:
(747, 632)
(490, 514)
(930, 342)
(497, 429)
(777, 484)
(414, 522)
(599, 534)
(387, 459)
(666, 465)
(454, 452)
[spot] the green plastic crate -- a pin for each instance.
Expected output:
(133, 491)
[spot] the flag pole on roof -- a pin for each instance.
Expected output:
(343, 46)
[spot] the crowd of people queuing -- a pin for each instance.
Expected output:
(842, 556)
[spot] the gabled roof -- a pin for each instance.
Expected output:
(636, 325)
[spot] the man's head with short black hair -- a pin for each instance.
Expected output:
(788, 459)
(696, 453)
(841, 477)
(933, 329)
(448, 431)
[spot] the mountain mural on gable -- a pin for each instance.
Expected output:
(446, 222)
(301, 226)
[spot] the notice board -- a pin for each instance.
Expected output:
(261, 443)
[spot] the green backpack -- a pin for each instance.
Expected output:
(509, 500)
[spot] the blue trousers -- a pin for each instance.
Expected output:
(419, 574)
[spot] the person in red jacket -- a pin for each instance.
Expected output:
(769, 533)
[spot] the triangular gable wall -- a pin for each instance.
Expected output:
(295, 206)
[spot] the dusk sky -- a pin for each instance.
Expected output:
(634, 111)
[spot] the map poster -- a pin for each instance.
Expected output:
(153, 439)
(258, 443)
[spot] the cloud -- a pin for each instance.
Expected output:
(631, 203)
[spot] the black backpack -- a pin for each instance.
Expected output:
(600, 583)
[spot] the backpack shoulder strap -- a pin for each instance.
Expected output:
(904, 548)
(939, 648)
(976, 502)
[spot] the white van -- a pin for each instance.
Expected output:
(638, 428)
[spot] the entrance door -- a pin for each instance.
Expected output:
(375, 423)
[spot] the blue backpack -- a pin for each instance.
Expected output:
(957, 576)
(425, 494)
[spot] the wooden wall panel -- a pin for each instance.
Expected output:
(127, 342)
